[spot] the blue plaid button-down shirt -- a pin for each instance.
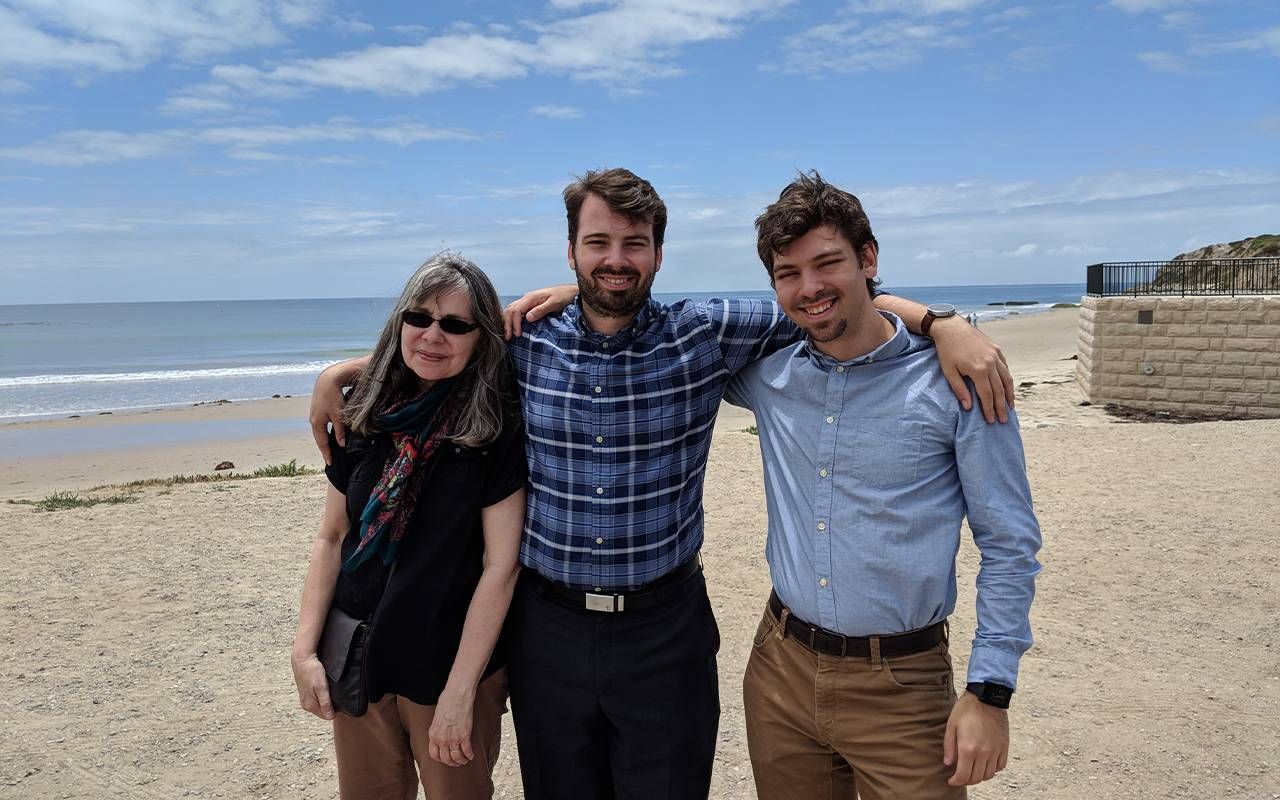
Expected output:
(618, 433)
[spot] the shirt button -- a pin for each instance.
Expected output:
(822, 526)
(599, 540)
(599, 589)
(822, 582)
(830, 420)
(599, 389)
(840, 369)
(599, 440)
(599, 490)
(604, 345)
(823, 472)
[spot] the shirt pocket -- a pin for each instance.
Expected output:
(886, 451)
(460, 471)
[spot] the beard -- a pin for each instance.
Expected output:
(831, 331)
(611, 302)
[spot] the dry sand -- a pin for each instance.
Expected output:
(145, 645)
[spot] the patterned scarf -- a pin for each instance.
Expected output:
(416, 426)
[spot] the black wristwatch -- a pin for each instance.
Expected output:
(993, 694)
(935, 311)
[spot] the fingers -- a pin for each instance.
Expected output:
(1006, 377)
(340, 432)
(323, 700)
(969, 771)
(976, 765)
(450, 749)
(998, 397)
(949, 743)
(540, 310)
(958, 387)
(511, 319)
(320, 432)
(986, 398)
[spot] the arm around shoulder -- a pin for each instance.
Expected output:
(963, 352)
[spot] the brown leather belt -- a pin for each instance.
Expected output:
(821, 640)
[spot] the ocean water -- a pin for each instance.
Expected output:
(61, 360)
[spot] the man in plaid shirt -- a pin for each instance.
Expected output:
(611, 638)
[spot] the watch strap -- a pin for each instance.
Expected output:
(993, 694)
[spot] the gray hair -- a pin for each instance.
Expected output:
(485, 383)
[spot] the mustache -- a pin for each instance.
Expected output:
(818, 297)
(622, 272)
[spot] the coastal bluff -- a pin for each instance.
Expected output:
(1197, 337)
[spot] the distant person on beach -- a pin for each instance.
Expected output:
(870, 467)
(613, 643)
(420, 538)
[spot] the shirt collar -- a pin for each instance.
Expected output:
(898, 344)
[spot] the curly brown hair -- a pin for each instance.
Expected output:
(806, 203)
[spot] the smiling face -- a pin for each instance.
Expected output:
(431, 353)
(615, 260)
(822, 287)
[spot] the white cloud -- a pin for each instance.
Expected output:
(916, 7)
(96, 36)
(928, 255)
(857, 46)
(85, 147)
(699, 214)
(621, 40)
(411, 31)
(1180, 20)
(877, 35)
(1264, 41)
(1163, 62)
(1142, 6)
(556, 112)
(1024, 250)
(352, 26)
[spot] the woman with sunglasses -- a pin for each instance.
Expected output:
(420, 538)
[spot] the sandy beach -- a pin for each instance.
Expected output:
(146, 644)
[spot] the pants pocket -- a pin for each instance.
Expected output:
(926, 671)
(767, 627)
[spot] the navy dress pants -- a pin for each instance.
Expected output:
(615, 706)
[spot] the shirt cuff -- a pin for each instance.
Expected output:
(991, 664)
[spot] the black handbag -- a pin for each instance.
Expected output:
(343, 652)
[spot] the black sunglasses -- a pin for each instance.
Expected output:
(453, 325)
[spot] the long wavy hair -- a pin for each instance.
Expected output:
(485, 383)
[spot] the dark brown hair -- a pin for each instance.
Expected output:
(624, 192)
(806, 203)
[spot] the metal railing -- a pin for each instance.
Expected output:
(1217, 276)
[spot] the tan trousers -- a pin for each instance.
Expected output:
(823, 727)
(377, 752)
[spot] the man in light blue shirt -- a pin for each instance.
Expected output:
(870, 467)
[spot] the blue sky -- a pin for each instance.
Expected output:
(310, 148)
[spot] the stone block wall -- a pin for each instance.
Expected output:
(1194, 355)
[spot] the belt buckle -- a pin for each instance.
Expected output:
(604, 602)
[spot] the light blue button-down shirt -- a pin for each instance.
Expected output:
(870, 466)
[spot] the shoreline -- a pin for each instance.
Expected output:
(42, 456)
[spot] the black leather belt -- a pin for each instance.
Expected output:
(830, 643)
(647, 596)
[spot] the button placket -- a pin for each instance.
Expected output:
(823, 547)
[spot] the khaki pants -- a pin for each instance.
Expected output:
(377, 752)
(835, 728)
